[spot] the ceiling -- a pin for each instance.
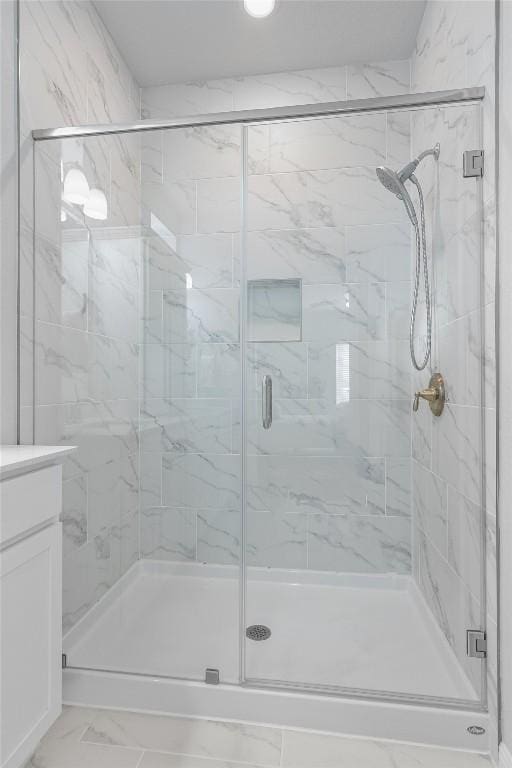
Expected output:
(174, 41)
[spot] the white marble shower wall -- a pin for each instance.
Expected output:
(455, 49)
(328, 485)
(85, 314)
(190, 357)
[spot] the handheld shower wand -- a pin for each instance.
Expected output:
(394, 181)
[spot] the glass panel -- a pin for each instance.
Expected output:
(137, 347)
(363, 542)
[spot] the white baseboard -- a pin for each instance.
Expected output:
(505, 757)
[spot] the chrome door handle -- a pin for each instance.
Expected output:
(266, 402)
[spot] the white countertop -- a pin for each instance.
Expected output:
(16, 458)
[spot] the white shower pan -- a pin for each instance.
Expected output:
(135, 648)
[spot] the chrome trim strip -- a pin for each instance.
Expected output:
(380, 103)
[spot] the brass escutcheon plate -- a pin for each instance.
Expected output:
(437, 382)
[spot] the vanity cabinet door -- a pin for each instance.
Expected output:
(30, 642)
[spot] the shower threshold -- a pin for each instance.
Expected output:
(167, 620)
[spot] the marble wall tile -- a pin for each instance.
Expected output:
(258, 148)
(61, 364)
(285, 362)
(335, 142)
(457, 449)
(196, 98)
(202, 152)
(200, 315)
(112, 307)
(168, 533)
(345, 312)
(218, 535)
(421, 437)
(398, 309)
(218, 370)
(209, 481)
(276, 539)
(174, 204)
(491, 571)
(330, 485)
(365, 81)
(288, 88)
(87, 283)
(313, 255)
(460, 357)
(341, 371)
(389, 432)
(57, 73)
(398, 139)
(453, 606)
(104, 501)
(74, 514)
(378, 253)
(169, 370)
(102, 431)
(359, 544)
(151, 157)
(47, 191)
(278, 201)
(151, 308)
(62, 283)
(150, 480)
(186, 425)
(218, 205)
(113, 368)
(350, 196)
(465, 540)
(117, 251)
(398, 487)
(430, 506)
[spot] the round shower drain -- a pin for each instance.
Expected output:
(258, 632)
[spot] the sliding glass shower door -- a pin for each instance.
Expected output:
(138, 364)
(221, 326)
(363, 519)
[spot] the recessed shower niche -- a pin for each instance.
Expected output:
(274, 310)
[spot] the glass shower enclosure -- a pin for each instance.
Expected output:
(222, 328)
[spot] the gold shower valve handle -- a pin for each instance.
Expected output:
(434, 394)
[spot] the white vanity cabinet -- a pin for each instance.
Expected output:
(30, 597)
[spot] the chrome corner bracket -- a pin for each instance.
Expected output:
(473, 163)
(434, 394)
(476, 643)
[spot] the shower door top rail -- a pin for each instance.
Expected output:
(323, 109)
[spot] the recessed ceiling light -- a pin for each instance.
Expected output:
(259, 8)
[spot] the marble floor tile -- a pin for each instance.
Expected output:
(310, 750)
(203, 738)
(206, 744)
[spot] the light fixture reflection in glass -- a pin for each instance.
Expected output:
(63, 215)
(96, 206)
(259, 8)
(76, 187)
(188, 281)
(342, 373)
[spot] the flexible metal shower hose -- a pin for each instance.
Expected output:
(421, 258)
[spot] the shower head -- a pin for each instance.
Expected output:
(393, 183)
(391, 180)
(394, 180)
